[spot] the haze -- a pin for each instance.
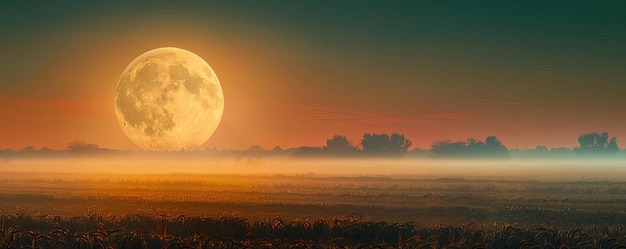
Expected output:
(518, 169)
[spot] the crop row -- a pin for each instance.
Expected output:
(137, 231)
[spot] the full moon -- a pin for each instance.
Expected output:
(168, 99)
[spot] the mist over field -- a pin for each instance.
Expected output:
(420, 168)
(172, 191)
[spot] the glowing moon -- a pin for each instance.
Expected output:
(168, 99)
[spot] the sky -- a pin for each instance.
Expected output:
(295, 73)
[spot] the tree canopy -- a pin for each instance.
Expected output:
(596, 143)
(491, 147)
(339, 145)
(82, 146)
(383, 144)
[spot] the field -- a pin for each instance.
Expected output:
(69, 210)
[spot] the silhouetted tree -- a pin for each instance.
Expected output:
(398, 143)
(374, 143)
(383, 144)
(612, 146)
(593, 140)
(449, 148)
(80, 145)
(492, 147)
(541, 149)
(596, 143)
(277, 150)
(339, 145)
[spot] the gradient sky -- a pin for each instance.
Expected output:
(297, 72)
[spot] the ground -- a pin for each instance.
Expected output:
(427, 202)
(63, 210)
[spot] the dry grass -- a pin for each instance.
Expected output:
(137, 231)
(429, 201)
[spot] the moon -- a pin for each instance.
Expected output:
(169, 99)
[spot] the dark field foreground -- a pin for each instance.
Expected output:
(307, 211)
(427, 202)
(136, 231)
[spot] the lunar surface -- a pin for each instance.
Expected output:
(169, 99)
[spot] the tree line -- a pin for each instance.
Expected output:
(371, 144)
(396, 144)
(590, 144)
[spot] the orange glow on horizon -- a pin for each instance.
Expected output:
(276, 93)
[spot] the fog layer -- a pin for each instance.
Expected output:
(506, 169)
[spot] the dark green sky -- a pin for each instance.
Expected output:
(530, 72)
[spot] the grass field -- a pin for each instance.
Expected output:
(431, 201)
(306, 211)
